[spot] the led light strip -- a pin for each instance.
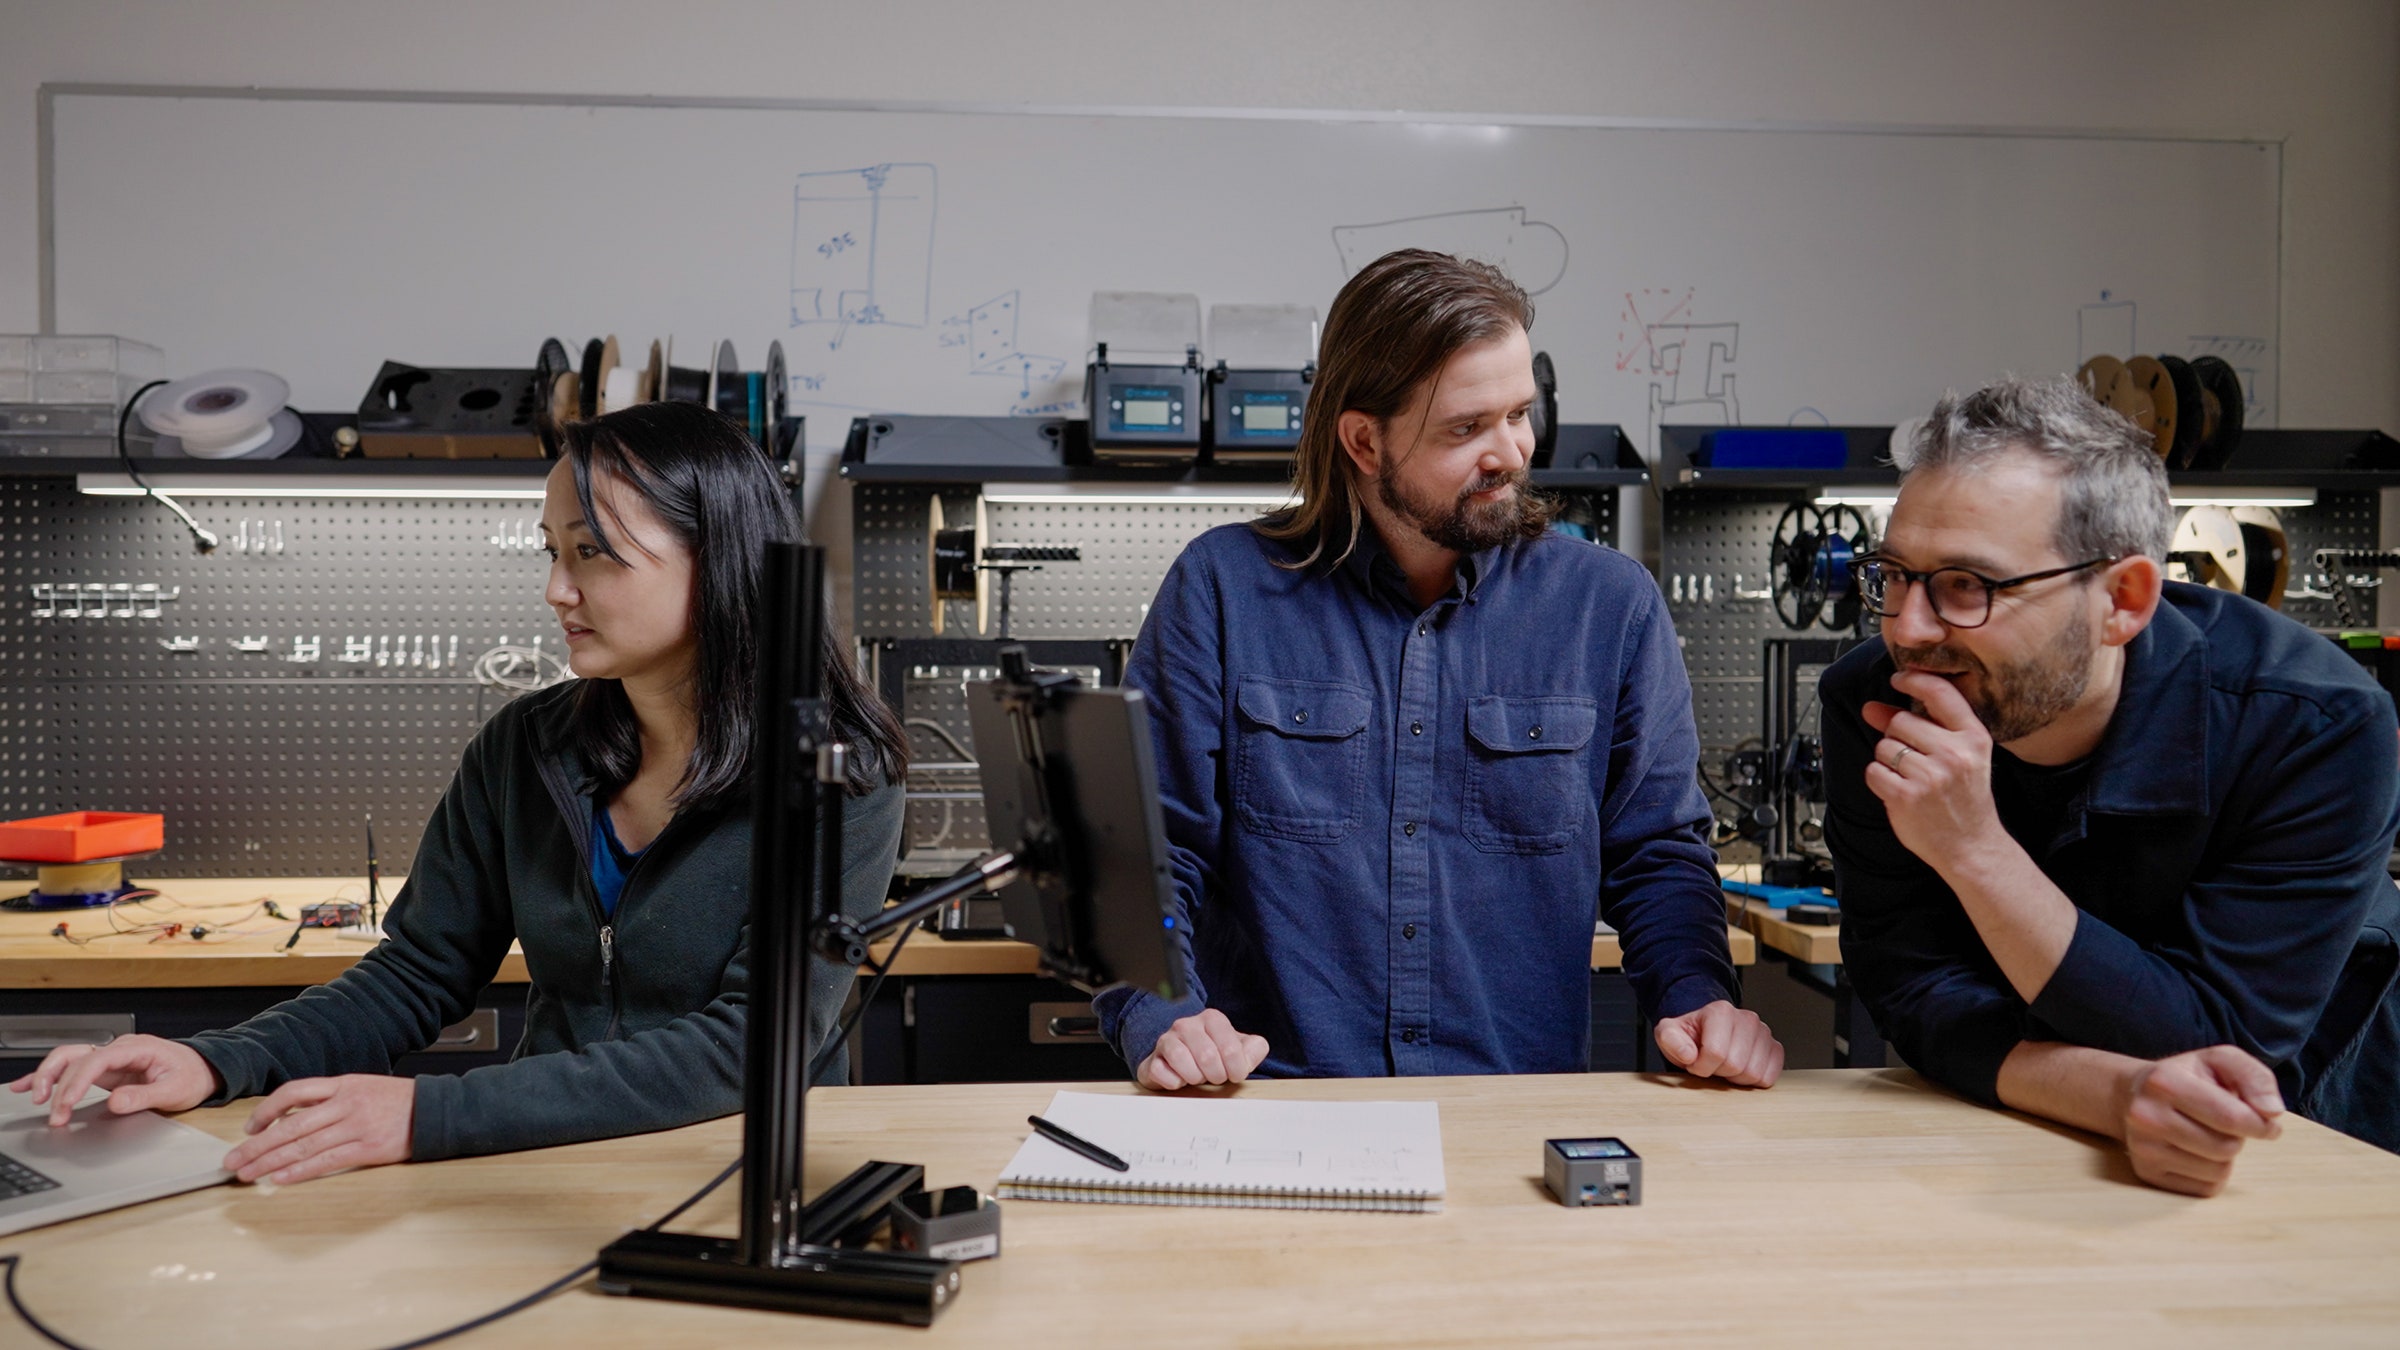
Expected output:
(294, 485)
(2182, 496)
(1170, 494)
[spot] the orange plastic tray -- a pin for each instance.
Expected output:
(80, 836)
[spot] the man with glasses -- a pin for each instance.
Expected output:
(2110, 850)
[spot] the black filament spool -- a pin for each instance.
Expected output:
(587, 399)
(778, 390)
(954, 564)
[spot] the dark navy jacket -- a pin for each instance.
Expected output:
(1391, 830)
(2228, 855)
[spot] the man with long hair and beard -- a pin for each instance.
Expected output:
(2111, 850)
(1411, 743)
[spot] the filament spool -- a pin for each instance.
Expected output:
(223, 414)
(2223, 400)
(2166, 413)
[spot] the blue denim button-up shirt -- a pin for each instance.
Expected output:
(1391, 828)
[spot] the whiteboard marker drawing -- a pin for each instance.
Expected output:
(991, 329)
(862, 247)
(1689, 364)
(2106, 328)
(1532, 252)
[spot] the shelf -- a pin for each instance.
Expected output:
(2265, 458)
(893, 448)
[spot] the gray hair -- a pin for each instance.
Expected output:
(2112, 485)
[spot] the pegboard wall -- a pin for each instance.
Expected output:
(1713, 564)
(270, 695)
(1127, 549)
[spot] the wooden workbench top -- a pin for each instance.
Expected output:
(1843, 1207)
(252, 954)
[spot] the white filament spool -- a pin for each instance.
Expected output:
(218, 415)
(620, 389)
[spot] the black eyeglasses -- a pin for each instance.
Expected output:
(1960, 598)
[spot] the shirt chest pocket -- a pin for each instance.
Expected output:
(1300, 757)
(1529, 777)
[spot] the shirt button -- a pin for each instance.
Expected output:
(1409, 931)
(1300, 718)
(1422, 629)
(1410, 829)
(1408, 1035)
(1416, 728)
(1535, 734)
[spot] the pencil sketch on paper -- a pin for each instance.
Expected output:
(1532, 252)
(2251, 359)
(2106, 327)
(862, 247)
(1263, 1157)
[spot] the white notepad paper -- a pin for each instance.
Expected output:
(1240, 1152)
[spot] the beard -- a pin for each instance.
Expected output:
(1463, 525)
(2018, 697)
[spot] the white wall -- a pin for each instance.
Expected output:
(2319, 73)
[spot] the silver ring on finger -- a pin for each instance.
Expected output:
(1898, 755)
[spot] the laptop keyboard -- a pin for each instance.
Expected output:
(17, 1179)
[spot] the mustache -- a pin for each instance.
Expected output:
(1485, 483)
(1940, 656)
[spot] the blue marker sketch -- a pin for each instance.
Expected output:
(862, 247)
(1534, 254)
(2105, 329)
(989, 332)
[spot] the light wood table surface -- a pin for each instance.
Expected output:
(929, 955)
(1844, 1207)
(30, 958)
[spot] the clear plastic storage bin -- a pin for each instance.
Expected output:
(75, 368)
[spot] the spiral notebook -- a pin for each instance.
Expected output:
(1237, 1152)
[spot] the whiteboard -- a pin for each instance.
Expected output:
(943, 260)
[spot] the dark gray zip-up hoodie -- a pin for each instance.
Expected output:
(633, 1023)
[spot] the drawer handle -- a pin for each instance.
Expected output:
(1075, 1028)
(48, 1032)
(479, 1030)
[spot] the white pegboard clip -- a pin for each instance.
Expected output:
(45, 600)
(180, 644)
(251, 644)
(305, 650)
(121, 600)
(357, 651)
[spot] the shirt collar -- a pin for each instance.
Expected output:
(1369, 560)
(2153, 760)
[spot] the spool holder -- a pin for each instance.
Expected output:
(91, 884)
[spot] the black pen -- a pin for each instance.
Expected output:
(1079, 1144)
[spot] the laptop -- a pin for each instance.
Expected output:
(95, 1161)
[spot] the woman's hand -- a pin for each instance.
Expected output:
(140, 1073)
(313, 1126)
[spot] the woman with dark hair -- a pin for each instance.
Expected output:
(602, 824)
